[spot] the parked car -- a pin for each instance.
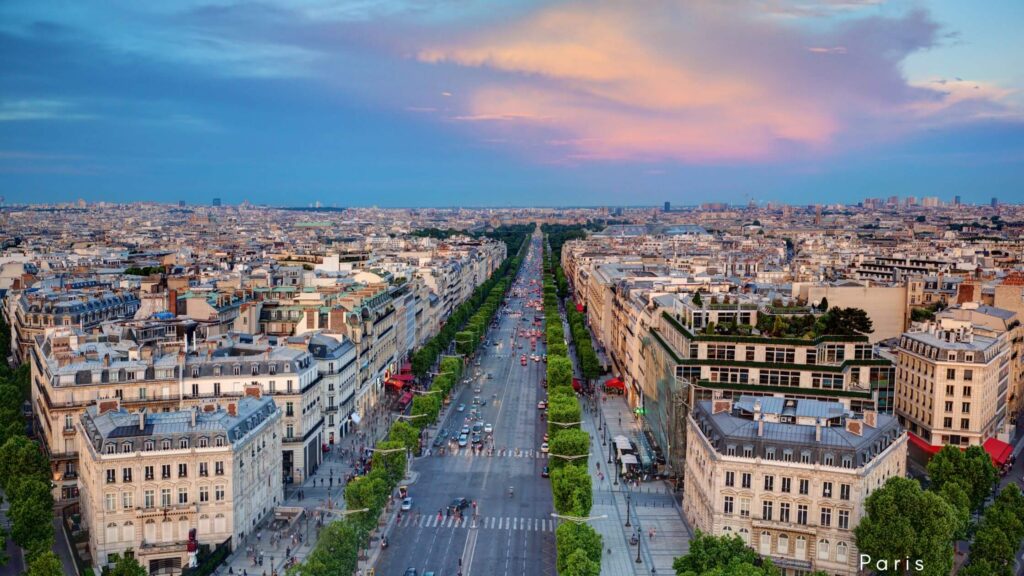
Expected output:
(407, 504)
(542, 405)
(544, 448)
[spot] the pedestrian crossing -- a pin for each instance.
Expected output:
(483, 522)
(497, 453)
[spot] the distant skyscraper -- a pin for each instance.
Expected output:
(216, 201)
(668, 207)
(956, 200)
(995, 202)
(181, 203)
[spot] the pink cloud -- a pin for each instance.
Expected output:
(691, 82)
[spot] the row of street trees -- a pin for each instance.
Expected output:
(578, 546)
(903, 520)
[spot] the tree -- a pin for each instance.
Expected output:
(336, 552)
(847, 322)
(572, 491)
(956, 495)
(823, 305)
(31, 514)
(20, 456)
(697, 301)
(559, 371)
(904, 521)
(569, 442)
(709, 552)
(425, 410)
(124, 566)
(46, 564)
(367, 492)
(392, 464)
(972, 468)
(564, 412)
(579, 564)
(407, 434)
(569, 537)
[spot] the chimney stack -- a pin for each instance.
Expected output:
(142, 420)
(760, 426)
(106, 360)
(232, 409)
(195, 413)
(817, 429)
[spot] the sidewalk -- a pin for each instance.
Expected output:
(316, 490)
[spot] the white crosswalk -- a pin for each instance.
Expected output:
(483, 522)
(498, 453)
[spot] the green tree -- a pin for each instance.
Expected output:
(904, 521)
(425, 410)
(697, 300)
(972, 468)
(823, 305)
(559, 371)
(848, 322)
(31, 515)
(367, 492)
(407, 434)
(46, 564)
(564, 412)
(336, 551)
(572, 491)
(392, 464)
(124, 566)
(709, 552)
(579, 564)
(20, 457)
(956, 495)
(569, 537)
(569, 442)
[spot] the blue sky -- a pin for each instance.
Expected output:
(414, 103)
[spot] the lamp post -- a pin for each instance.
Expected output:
(627, 509)
(639, 542)
(578, 519)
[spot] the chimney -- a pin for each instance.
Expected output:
(760, 425)
(142, 420)
(172, 301)
(871, 418)
(108, 405)
(194, 414)
(817, 429)
(106, 360)
(232, 409)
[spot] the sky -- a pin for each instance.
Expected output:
(510, 103)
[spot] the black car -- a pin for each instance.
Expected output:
(411, 572)
(442, 435)
(458, 504)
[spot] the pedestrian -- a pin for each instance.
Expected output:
(650, 533)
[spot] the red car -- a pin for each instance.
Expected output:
(522, 359)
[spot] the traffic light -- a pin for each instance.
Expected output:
(639, 411)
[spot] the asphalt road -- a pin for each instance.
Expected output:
(510, 536)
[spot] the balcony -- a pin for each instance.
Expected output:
(147, 548)
(68, 431)
(168, 511)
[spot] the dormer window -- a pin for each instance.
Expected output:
(847, 462)
(255, 369)
(829, 459)
(272, 369)
(805, 456)
(126, 447)
(149, 446)
(195, 372)
(218, 441)
(183, 443)
(236, 370)
(110, 449)
(203, 442)
(165, 445)
(748, 451)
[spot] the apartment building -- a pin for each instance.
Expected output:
(887, 305)
(160, 484)
(788, 476)
(953, 383)
(335, 356)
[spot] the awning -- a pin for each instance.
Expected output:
(576, 384)
(403, 377)
(355, 418)
(998, 450)
(629, 459)
(579, 307)
(407, 367)
(920, 443)
(395, 383)
(406, 398)
(615, 383)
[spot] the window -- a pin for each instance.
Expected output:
(204, 493)
(289, 431)
(965, 408)
(748, 451)
(236, 370)
(165, 471)
(289, 409)
(967, 391)
(183, 470)
(950, 390)
(750, 353)
(965, 423)
(826, 516)
(721, 352)
(165, 445)
(766, 542)
(783, 544)
(801, 514)
(787, 484)
(769, 453)
(787, 455)
(844, 491)
(780, 355)
(948, 405)
(149, 446)
(822, 549)
(216, 388)
(745, 480)
(766, 509)
(218, 441)
(204, 469)
(769, 483)
(288, 385)
(126, 474)
(730, 450)
(149, 472)
(844, 519)
(69, 422)
(111, 502)
(826, 489)
(204, 442)
(195, 372)
(829, 460)
(784, 512)
(147, 498)
(727, 508)
(968, 375)
(950, 373)
(165, 497)
(827, 380)
(805, 456)
(183, 443)
(805, 486)
(111, 476)
(142, 393)
(812, 356)
(126, 500)
(182, 495)
(730, 478)
(745, 507)
(195, 389)
(218, 492)
(218, 468)
(110, 449)
(847, 461)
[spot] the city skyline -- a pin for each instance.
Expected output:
(527, 103)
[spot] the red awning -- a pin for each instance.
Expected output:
(920, 443)
(615, 383)
(403, 377)
(998, 450)
(579, 307)
(407, 367)
(576, 384)
(406, 398)
(395, 383)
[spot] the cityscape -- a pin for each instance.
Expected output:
(430, 288)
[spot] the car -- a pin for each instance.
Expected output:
(545, 472)
(407, 504)
(465, 430)
(442, 435)
(476, 400)
(490, 376)
(488, 429)
(463, 440)
(411, 572)
(522, 360)
(545, 437)
(460, 408)
(431, 573)
(542, 405)
(544, 448)
(458, 504)
(477, 439)
(477, 428)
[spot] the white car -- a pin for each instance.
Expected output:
(488, 429)
(544, 448)
(407, 504)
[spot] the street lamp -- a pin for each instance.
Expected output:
(569, 458)
(578, 519)
(627, 509)
(564, 424)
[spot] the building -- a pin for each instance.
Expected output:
(788, 476)
(886, 305)
(335, 356)
(952, 384)
(668, 207)
(216, 202)
(159, 484)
